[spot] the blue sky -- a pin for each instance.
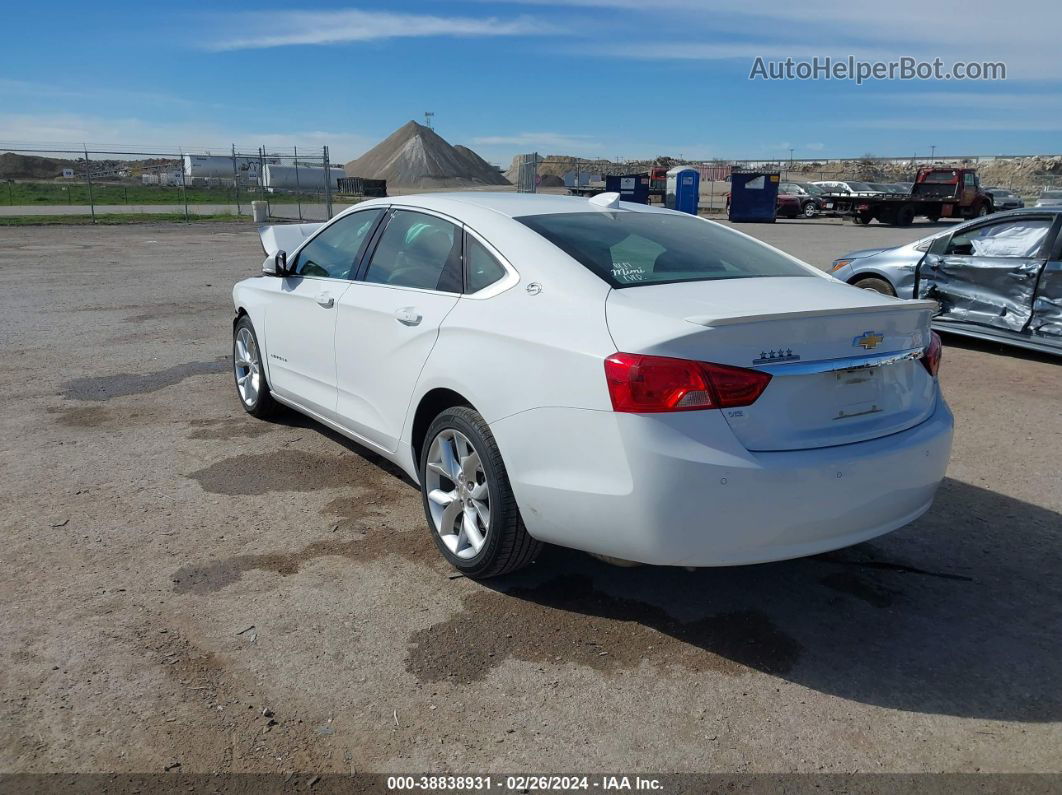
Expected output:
(610, 78)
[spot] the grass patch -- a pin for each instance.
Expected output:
(15, 194)
(115, 218)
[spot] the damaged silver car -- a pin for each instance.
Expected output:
(996, 278)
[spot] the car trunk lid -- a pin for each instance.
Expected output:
(843, 361)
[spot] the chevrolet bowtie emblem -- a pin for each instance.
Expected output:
(868, 340)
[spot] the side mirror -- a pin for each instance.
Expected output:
(277, 265)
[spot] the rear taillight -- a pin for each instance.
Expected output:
(932, 353)
(639, 383)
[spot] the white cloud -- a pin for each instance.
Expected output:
(260, 29)
(699, 51)
(95, 93)
(954, 31)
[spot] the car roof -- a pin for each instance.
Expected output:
(1024, 211)
(512, 205)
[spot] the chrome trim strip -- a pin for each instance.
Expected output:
(847, 363)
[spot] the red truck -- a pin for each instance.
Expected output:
(937, 193)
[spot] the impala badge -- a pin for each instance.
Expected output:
(868, 340)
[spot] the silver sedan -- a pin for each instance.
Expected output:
(998, 277)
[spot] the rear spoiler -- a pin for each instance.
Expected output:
(906, 305)
(285, 237)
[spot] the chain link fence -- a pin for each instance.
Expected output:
(106, 186)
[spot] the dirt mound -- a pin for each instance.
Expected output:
(416, 156)
(14, 166)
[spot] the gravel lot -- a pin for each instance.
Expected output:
(184, 584)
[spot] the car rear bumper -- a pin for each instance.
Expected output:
(678, 489)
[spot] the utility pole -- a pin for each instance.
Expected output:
(932, 152)
(236, 180)
(327, 183)
(88, 178)
(428, 116)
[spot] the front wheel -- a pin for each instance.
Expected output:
(251, 384)
(469, 504)
(875, 284)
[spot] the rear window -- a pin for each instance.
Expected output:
(941, 177)
(628, 249)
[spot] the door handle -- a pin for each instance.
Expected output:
(408, 316)
(325, 300)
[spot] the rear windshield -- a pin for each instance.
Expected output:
(628, 249)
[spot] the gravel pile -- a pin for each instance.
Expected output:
(416, 156)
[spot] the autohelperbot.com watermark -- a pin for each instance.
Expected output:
(852, 68)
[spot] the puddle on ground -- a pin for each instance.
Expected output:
(368, 544)
(565, 620)
(236, 427)
(112, 386)
(280, 470)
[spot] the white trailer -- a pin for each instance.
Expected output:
(310, 178)
(220, 167)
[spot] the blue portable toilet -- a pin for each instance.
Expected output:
(630, 187)
(753, 195)
(683, 189)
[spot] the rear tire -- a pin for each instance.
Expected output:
(809, 210)
(464, 482)
(252, 387)
(875, 284)
(862, 219)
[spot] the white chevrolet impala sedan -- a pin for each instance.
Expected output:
(633, 382)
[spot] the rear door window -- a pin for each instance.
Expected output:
(417, 250)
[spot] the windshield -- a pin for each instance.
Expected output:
(1051, 194)
(859, 186)
(628, 249)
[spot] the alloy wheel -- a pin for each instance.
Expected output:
(247, 365)
(458, 493)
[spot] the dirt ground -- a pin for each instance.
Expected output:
(187, 588)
